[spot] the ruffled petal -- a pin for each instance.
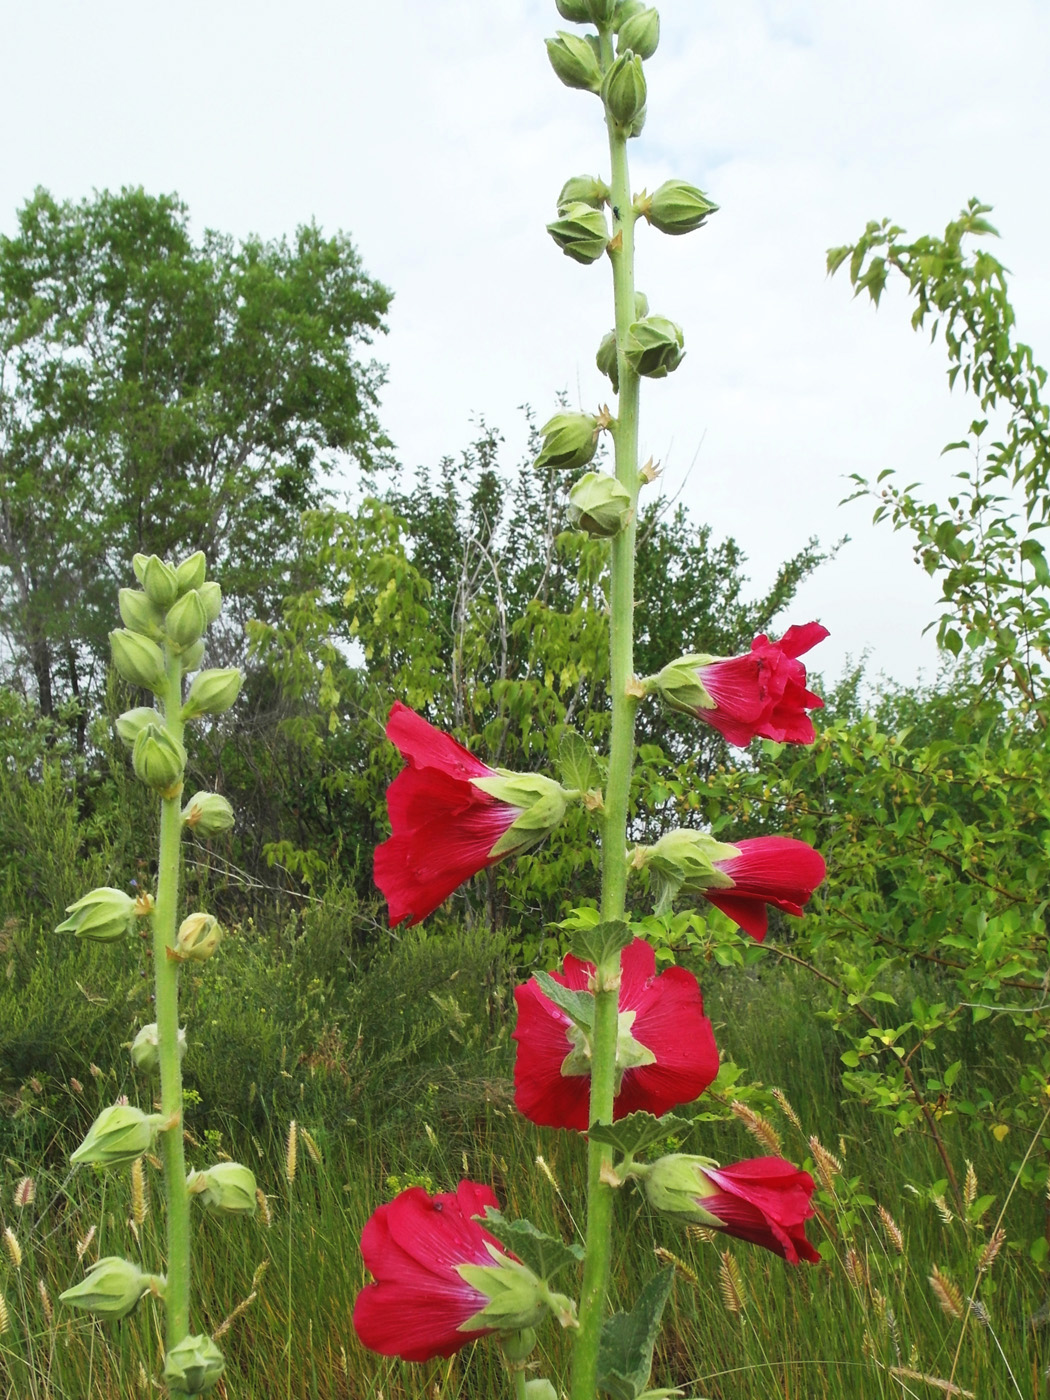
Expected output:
(542, 1093)
(670, 1022)
(796, 641)
(423, 746)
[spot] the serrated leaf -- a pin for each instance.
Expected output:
(578, 763)
(594, 945)
(578, 1006)
(544, 1254)
(625, 1354)
(637, 1131)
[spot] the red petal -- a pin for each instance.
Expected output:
(426, 747)
(671, 1023)
(414, 1324)
(542, 1093)
(774, 868)
(796, 641)
(748, 911)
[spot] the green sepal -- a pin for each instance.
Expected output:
(159, 582)
(639, 32)
(575, 61)
(544, 1254)
(606, 360)
(653, 346)
(190, 574)
(578, 764)
(583, 189)
(193, 1366)
(138, 614)
(578, 1006)
(636, 1132)
(624, 89)
(625, 1353)
(581, 233)
(186, 621)
(596, 945)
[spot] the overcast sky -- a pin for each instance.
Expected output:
(435, 133)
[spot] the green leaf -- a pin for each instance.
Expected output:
(637, 1131)
(544, 1254)
(625, 1354)
(578, 763)
(595, 945)
(578, 1006)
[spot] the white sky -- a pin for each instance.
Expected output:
(435, 133)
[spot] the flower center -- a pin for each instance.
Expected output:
(630, 1053)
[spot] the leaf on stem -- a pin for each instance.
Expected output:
(625, 1355)
(545, 1255)
(636, 1132)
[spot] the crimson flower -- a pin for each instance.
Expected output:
(452, 816)
(418, 1302)
(765, 1200)
(760, 694)
(665, 1053)
(775, 870)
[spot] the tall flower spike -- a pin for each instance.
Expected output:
(665, 1052)
(452, 816)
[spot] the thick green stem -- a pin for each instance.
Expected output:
(617, 793)
(166, 983)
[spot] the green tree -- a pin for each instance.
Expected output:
(161, 394)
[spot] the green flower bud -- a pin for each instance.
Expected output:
(227, 1186)
(119, 1134)
(624, 89)
(606, 360)
(683, 862)
(600, 11)
(159, 581)
(640, 33)
(199, 936)
(131, 723)
(635, 129)
(102, 916)
(676, 207)
(678, 1183)
(625, 10)
(653, 346)
(207, 814)
(539, 1388)
(111, 1288)
(583, 189)
(599, 505)
(159, 760)
(138, 614)
(542, 802)
(581, 233)
(575, 61)
(212, 692)
(145, 1048)
(138, 563)
(138, 660)
(191, 572)
(211, 597)
(186, 620)
(192, 657)
(574, 10)
(193, 1366)
(569, 441)
(641, 306)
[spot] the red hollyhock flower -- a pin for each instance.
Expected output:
(760, 694)
(418, 1302)
(666, 1053)
(445, 826)
(765, 1201)
(775, 870)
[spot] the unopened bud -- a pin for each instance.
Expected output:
(192, 657)
(599, 505)
(676, 207)
(211, 597)
(131, 723)
(208, 814)
(159, 759)
(186, 620)
(190, 573)
(212, 692)
(624, 89)
(583, 189)
(574, 10)
(606, 360)
(539, 1388)
(600, 11)
(193, 1366)
(640, 33)
(678, 1184)
(581, 233)
(111, 1287)
(575, 61)
(138, 659)
(145, 1048)
(199, 936)
(227, 1186)
(102, 916)
(569, 441)
(641, 306)
(159, 581)
(138, 614)
(119, 1134)
(653, 346)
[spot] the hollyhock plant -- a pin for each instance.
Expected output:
(765, 1200)
(451, 816)
(761, 694)
(418, 1304)
(665, 1053)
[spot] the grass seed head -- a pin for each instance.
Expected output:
(45, 1301)
(5, 1316)
(25, 1192)
(970, 1185)
(731, 1284)
(827, 1164)
(947, 1293)
(14, 1249)
(291, 1155)
(760, 1128)
(892, 1230)
(991, 1250)
(786, 1109)
(84, 1244)
(139, 1200)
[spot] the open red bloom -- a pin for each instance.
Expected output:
(775, 870)
(765, 1201)
(666, 1052)
(446, 825)
(418, 1302)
